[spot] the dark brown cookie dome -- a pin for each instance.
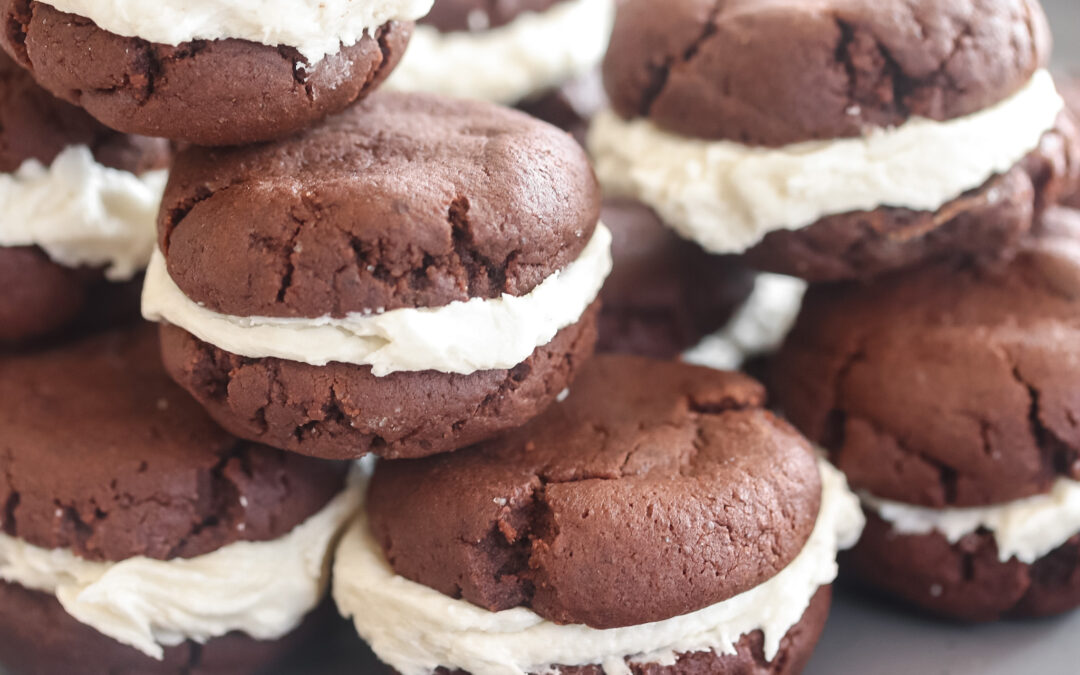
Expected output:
(716, 70)
(949, 385)
(104, 455)
(216, 92)
(676, 468)
(405, 200)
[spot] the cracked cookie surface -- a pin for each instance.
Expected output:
(218, 92)
(725, 69)
(404, 200)
(951, 385)
(654, 490)
(104, 455)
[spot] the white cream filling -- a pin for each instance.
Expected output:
(535, 52)
(264, 589)
(727, 196)
(82, 213)
(462, 337)
(1026, 529)
(416, 629)
(758, 327)
(315, 28)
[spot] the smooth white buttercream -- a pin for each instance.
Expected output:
(535, 52)
(758, 327)
(315, 28)
(462, 337)
(727, 196)
(82, 213)
(416, 629)
(1027, 529)
(263, 589)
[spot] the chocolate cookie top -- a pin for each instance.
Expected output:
(654, 490)
(404, 200)
(103, 454)
(946, 386)
(462, 15)
(773, 72)
(36, 125)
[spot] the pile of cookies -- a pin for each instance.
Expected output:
(300, 324)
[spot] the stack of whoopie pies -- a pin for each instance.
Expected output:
(340, 273)
(136, 535)
(907, 164)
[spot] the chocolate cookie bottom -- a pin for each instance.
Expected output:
(967, 580)
(37, 637)
(342, 411)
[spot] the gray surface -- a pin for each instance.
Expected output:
(1065, 22)
(864, 637)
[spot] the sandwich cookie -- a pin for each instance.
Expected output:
(79, 202)
(658, 520)
(949, 397)
(210, 72)
(416, 275)
(543, 55)
(664, 294)
(135, 535)
(904, 131)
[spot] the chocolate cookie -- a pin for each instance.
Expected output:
(984, 225)
(43, 296)
(223, 91)
(905, 132)
(38, 637)
(966, 580)
(343, 411)
(664, 293)
(431, 263)
(173, 484)
(707, 71)
(109, 475)
(644, 461)
(949, 385)
(654, 513)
